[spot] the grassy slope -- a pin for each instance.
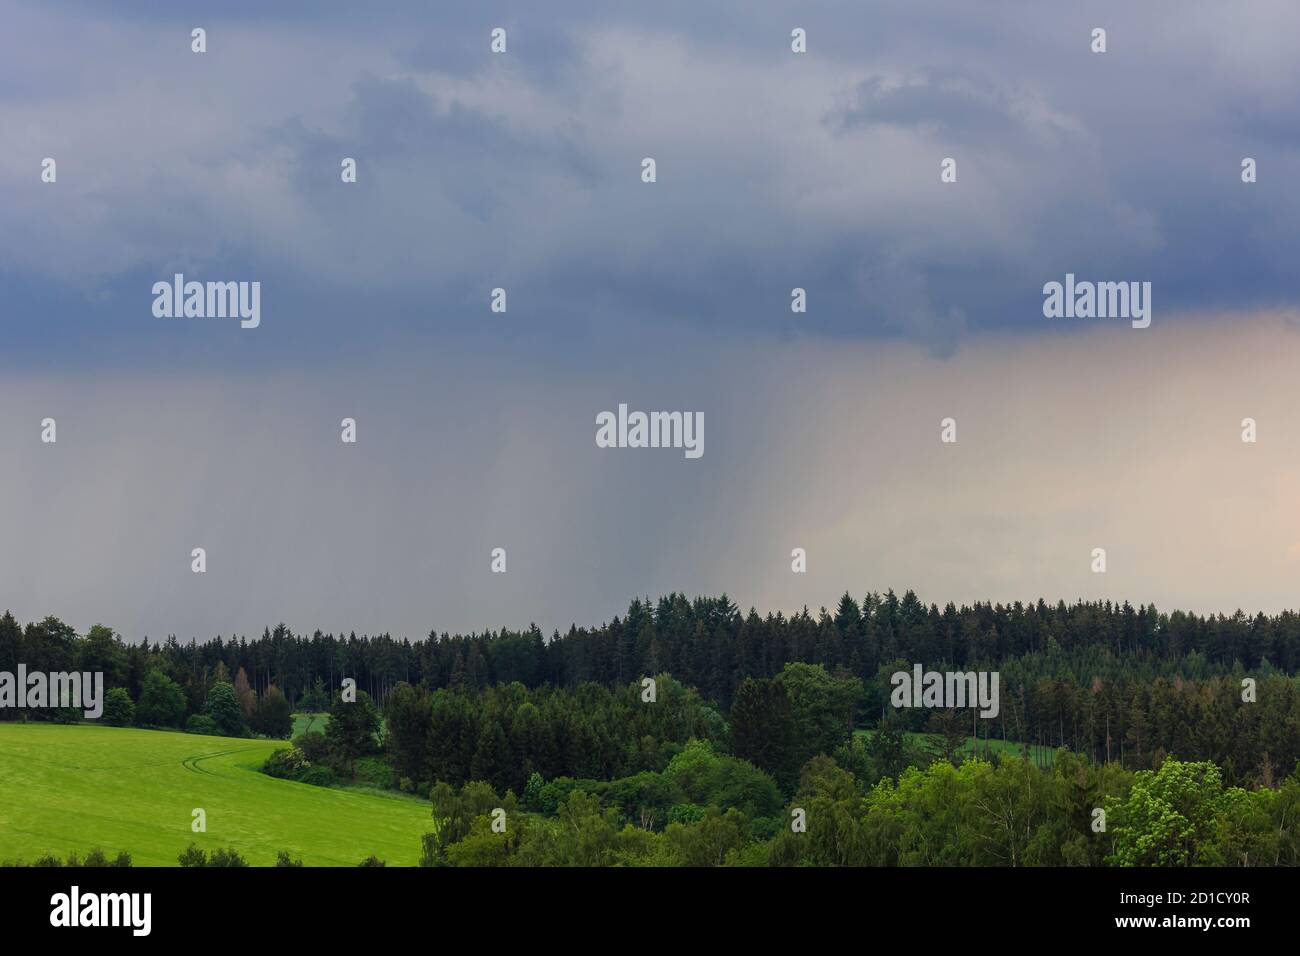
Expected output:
(66, 788)
(305, 722)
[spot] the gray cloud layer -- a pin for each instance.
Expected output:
(776, 170)
(1133, 446)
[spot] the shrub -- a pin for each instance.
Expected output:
(192, 856)
(376, 772)
(162, 702)
(94, 858)
(202, 724)
(314, 746)
(227, 857)
(319, 777)
(119, 709)
(286, 763)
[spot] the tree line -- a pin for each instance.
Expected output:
(1115, 682)
(706, 643)
(1004, 812)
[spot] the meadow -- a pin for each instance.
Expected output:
(66, 788)
(303, 722)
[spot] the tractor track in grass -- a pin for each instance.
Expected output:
(192, 763)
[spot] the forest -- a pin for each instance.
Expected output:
(766, 740)
(1114, 682)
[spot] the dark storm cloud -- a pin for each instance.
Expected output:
(776, 170)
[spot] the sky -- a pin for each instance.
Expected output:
(522, 170)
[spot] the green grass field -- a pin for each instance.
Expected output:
(305, 722)
(67, 788)
(1042, 756)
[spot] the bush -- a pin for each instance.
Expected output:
(227, 857)
(314, 746)
(372, 860)
(192, 856)
(290, 763)
(95, 858)
(119, 709)
(286, 763)
(202, 724)
(319, 777)
(376, 772)
(162, 702)
(283, 859)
